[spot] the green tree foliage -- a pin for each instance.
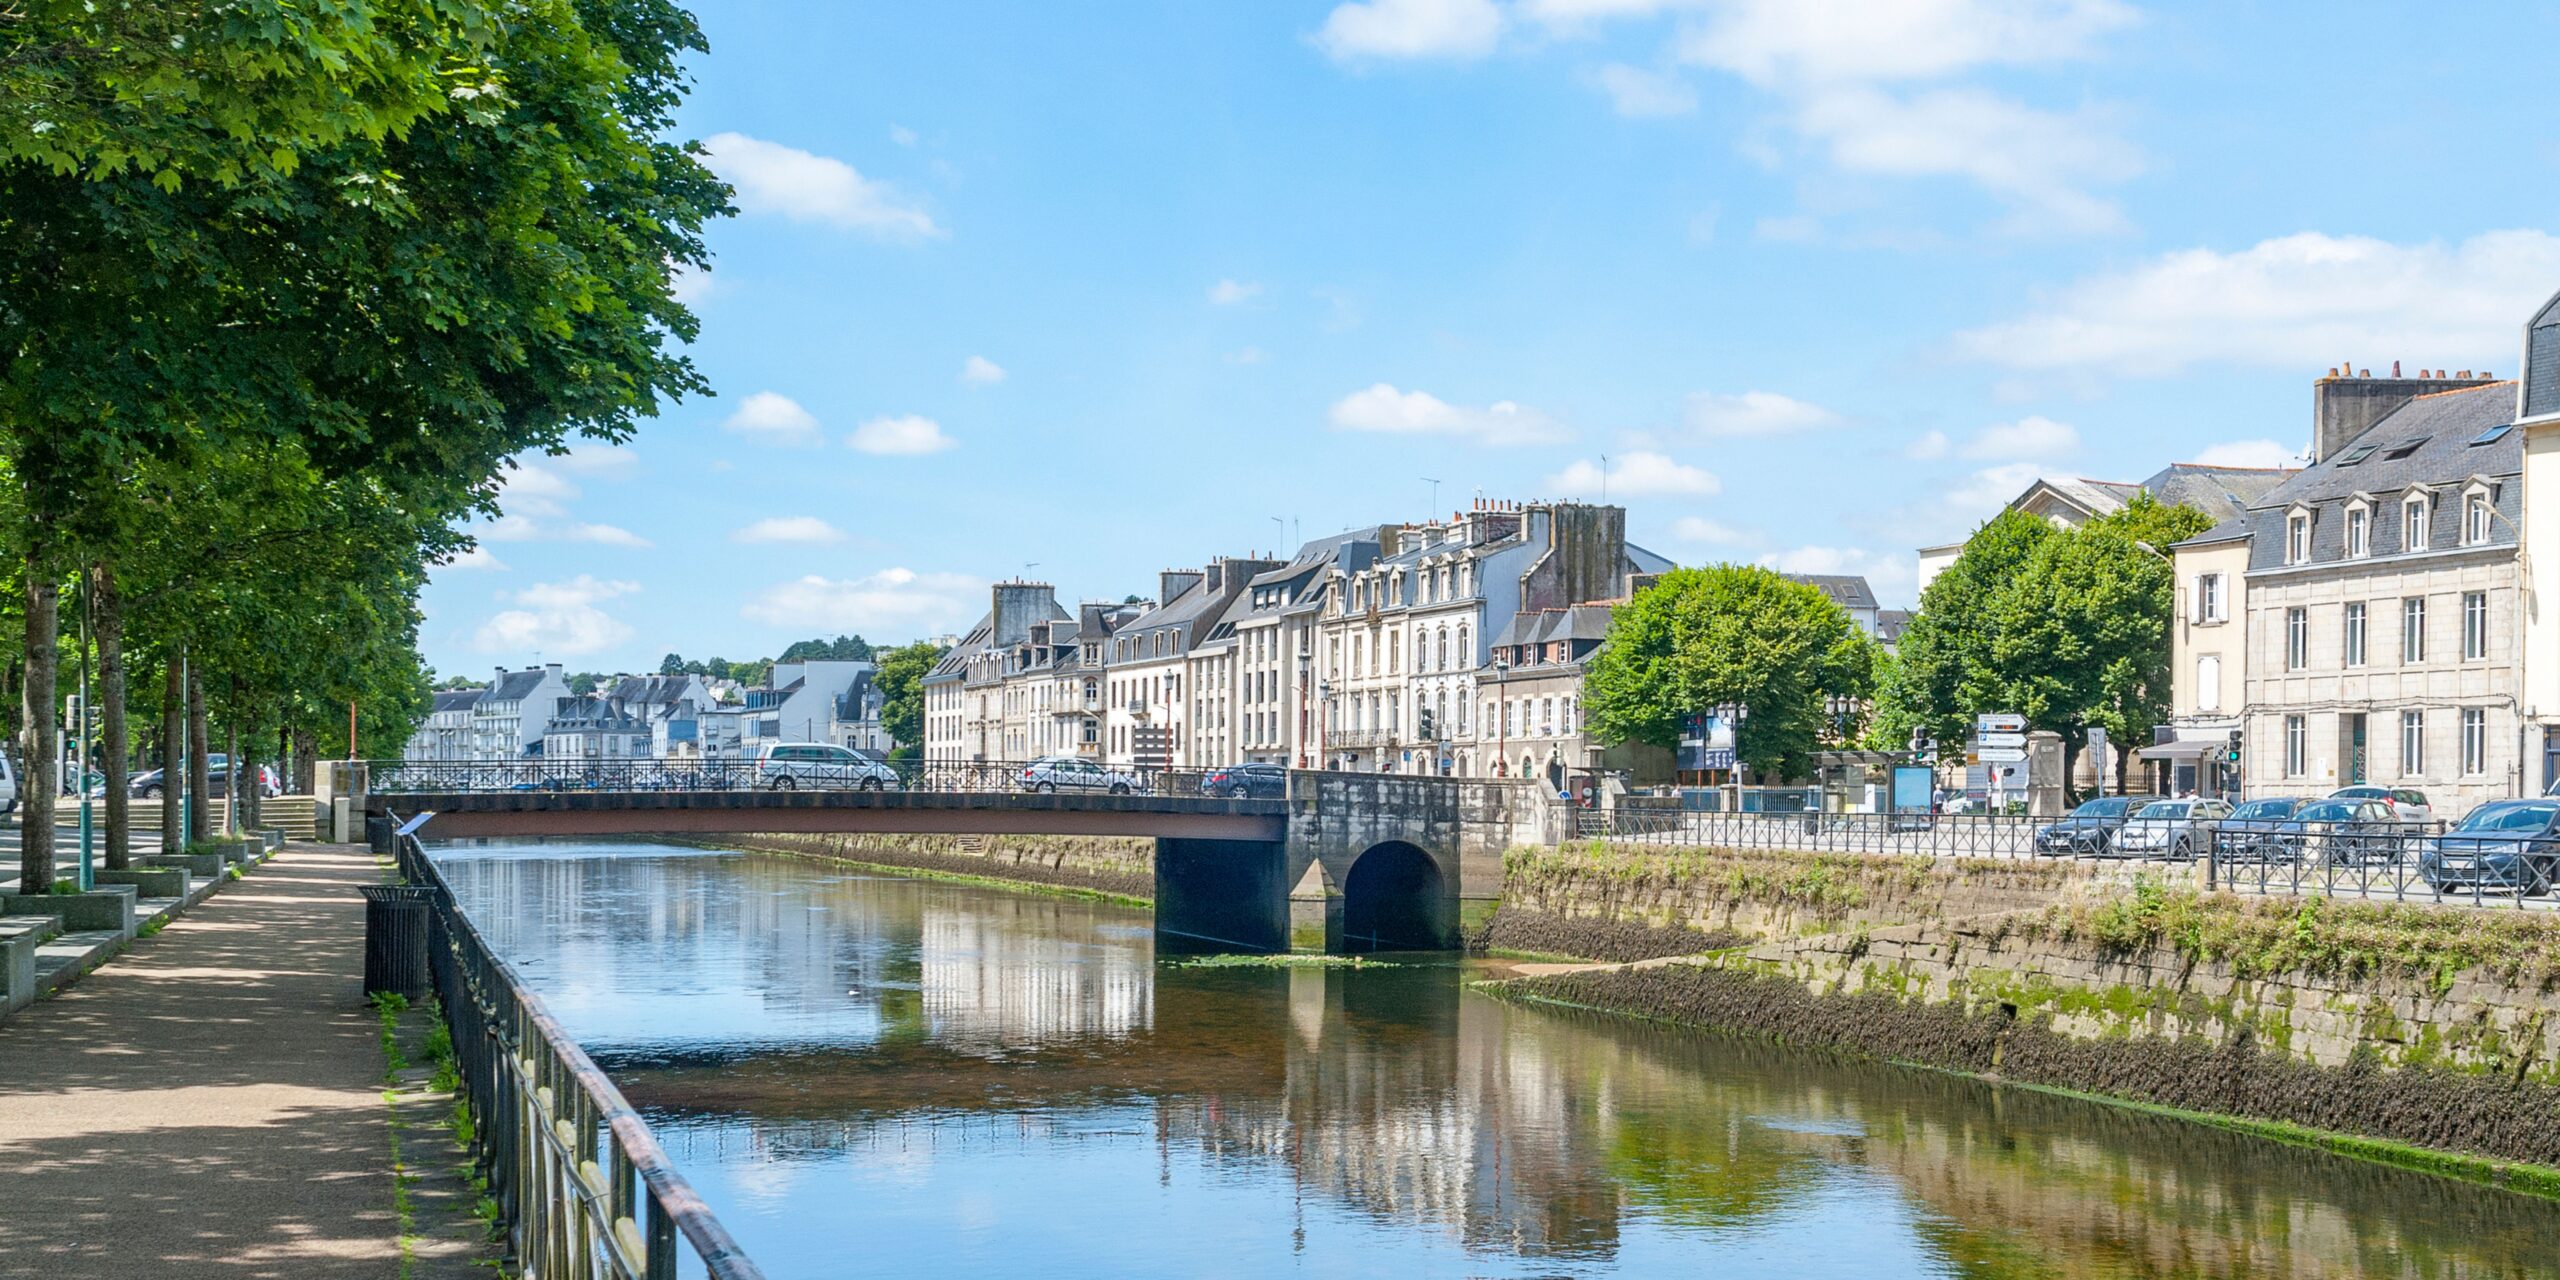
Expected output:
(900, 680)
(840, 649)
(671, 665)
(1941, 672)
(1729, 636)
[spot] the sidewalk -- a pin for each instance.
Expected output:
(211, 1103)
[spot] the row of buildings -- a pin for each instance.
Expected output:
(532, 714)
(1451, 647)
(2374, 616)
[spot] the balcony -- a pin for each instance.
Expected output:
(1355, 739)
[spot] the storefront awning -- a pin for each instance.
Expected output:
(2187, 752)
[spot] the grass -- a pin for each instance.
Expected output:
(152, 928)
(1288, 960)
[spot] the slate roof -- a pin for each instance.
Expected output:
(516, 684)
(2442, 428)
(1890, 624)
(2235, 529)
(2219, 492)
(1847, 590)
(457, 699)
(651, 690)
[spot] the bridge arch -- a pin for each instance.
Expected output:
(1397, 897)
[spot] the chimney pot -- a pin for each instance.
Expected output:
(2464, 374)
(2364, 373)
(2395, 368)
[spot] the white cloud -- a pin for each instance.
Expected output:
(1381, 29)
(980, 369)
(1926, 445)
(902, 135)
(793, 529)
(2033, 436)
(1227, 293)
(775, 418)
(533, 490)
(2298, 302)
(1753, 413)
(690, 284)
(1575, 17)
(1988, 490)
(477, 558)
(905, 436)
(1382, 408)
(1638, 93)
(773, 178)
(1892, 575)
(1634, 475)
(560, 619)
(2250, 453)
(608, 535)
(2042, 161)
(1774, 43)
(1699, 529)
(598, 461)
(891, 600)
(1247, 355)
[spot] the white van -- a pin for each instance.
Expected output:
(819, 766)
(8, 785)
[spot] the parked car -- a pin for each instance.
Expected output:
(2247, 833)
(2408, 804)
(2341, 833)
(148, 785)
(2504, 844)
(819, 766)
(8, 786)
(2090, 829)
(1247, 781)
(1075, 773)
(2170, 828)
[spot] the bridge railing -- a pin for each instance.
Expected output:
(623, 775)
(580, 1182)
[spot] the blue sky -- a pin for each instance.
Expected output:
(1104, 288)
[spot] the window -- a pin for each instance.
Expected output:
(2475, 624)
(2209, 682)
(2404, 448)
(2475, 520)
(2297, 639)
(2209, 606)
(2294, 741)
(2297, 539)
(2359, 532)
(2354, 637)
(2475, 740)
(2413, 524)
(2493, 434)
(2413, 629)
(2413, 743)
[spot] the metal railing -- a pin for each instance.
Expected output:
(581, 1184)
(746, 773)
(2397, 861)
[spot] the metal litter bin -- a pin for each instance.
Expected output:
(395, 938)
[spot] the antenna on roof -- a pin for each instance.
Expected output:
(1432, 511)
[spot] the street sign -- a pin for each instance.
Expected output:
(2004, 755)
(2004, 739)
(1994, 722)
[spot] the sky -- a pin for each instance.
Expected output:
(1082, 292)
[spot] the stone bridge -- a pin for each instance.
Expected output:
(1396, 854)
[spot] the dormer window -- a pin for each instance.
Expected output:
(2297, 538)
(2359, 530)
(2413, 522)
(2477, 510)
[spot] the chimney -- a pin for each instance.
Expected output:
(2345, 406)
(1173, 582)
(1015, 606)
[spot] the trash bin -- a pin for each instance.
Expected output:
(395, 938)
(378, 829)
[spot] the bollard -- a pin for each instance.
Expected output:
(395, 938)
(378, 833)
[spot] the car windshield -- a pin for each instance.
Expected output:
(2164, 809)
(2505, 817)
(2266, 809)
(2359, 793)
(2327, 811)
(2112, 807)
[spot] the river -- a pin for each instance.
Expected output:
(871, 1075)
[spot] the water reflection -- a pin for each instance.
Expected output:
(924, 1076)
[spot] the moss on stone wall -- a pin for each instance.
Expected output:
(1119, 867)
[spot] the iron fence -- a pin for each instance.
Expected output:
(581, 1184)
(856, 773)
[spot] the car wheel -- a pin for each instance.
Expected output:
(1119, 788)
(1047, 788)
(870, 784)
(1241, 793)
(152, 792)
(785, 783)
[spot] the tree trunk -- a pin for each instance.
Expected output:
(174, 834)
(109, 620)
(242, 780)
(44, 751)
(199, 770)
(306, 763)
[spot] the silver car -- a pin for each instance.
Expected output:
(2170, 828)
(819, 766)
(1075, 773)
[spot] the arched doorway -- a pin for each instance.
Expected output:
(1396, 899)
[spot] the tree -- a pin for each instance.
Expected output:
(900, 681)
(673, 665)
(1728, 636)
(1942, 674)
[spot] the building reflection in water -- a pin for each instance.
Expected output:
(789, 1025)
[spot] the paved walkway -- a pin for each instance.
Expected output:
(209, 1104)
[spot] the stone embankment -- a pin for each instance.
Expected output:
(1114, 866)
(2370, 1024)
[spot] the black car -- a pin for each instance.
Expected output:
(1247, 782)
(2090, 829)
(2248, 834)
(2505, 844)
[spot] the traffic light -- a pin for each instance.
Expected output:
(2231, 753)
(1428, 728)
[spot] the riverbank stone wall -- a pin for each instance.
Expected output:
(1123, 867)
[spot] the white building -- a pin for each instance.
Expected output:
(514, 713)
(445, 735)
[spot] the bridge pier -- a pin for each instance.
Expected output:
(1222, 895)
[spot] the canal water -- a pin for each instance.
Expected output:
(874, 1076)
